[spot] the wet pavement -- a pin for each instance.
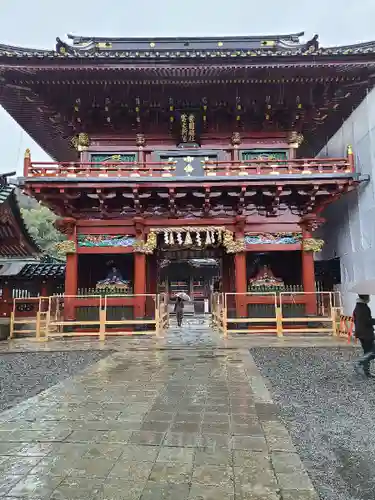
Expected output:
(329, 411)
(43, 370)
(188, 419)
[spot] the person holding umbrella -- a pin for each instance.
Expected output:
(364, 331)
(179, 310)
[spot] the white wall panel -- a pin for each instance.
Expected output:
(350, 228)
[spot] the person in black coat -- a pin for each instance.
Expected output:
(179, 310)
(364, 331)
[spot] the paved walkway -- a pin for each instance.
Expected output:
(194, 422)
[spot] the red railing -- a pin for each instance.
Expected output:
(300, 166)
(304, 166)
(95, 169)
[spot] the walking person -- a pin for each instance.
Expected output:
(179, 310)
(364, 331)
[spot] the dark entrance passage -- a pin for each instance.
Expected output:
(192, 273)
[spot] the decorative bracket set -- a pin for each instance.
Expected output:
(189, 235)
(312, 245)
(198, 237)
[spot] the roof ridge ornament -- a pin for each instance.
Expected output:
(312, 45)
(63, 48)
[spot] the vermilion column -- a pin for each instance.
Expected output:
(241, 283)
(139, 284)
(71, 274)
(44, 293)
(71, 279)
(308, 277)
(44, 289)
(6, 302)
(151, 273)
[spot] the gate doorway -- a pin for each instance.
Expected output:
(193, 273)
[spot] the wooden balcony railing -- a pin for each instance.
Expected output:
(304, 166)
(104, 169)
(300, 166)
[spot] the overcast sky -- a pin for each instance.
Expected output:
(36, 23)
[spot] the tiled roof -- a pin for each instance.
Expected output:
(208, 48)
(6, 188)
(5, 191)
(26, 244)
(26, 269)
(41, 270)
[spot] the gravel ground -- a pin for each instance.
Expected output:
(23, 375)
(330, 413)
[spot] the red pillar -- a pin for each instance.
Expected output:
(308, 277)
(6, 301)
(241, 283)
(44, 289)
(139, 284)
(152, 274)
(71, 274)
(71, 279)
(44, 293)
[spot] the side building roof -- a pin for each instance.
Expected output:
(15, 239)
(29, 269)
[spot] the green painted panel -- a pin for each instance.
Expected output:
(105, 240)
(267, 155)
(117, 157)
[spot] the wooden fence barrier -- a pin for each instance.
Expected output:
(236, 318)
(321, 317)
(162, 312)
(61, 316)
(23, 324)
(145, 312)
(217, 312)
(280, 313)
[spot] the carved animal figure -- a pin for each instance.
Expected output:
(312, 45)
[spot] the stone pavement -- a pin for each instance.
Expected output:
(193, 422)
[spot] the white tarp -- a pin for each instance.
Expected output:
(366, 287)
(350, 229)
